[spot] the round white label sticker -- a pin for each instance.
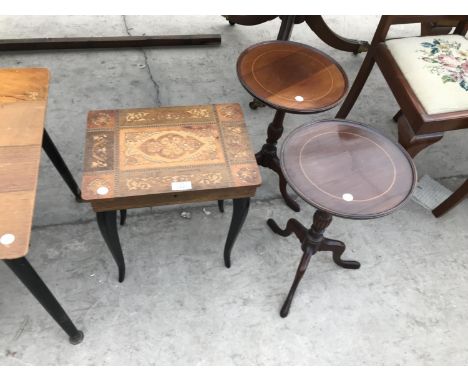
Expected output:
(348, 197)
(7, 239)
(102, 190)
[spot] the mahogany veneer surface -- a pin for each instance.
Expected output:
(347, 169)
(23, 99)
(291, 76)
(138, 156)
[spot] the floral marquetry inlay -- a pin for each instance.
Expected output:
(99, 151)
(149, 150)
(99, 155)
(93, 184)
(165, 181)
(167, 115)
(170, 146)
(229, 113)
(246, 174)
(141, 116)
(101, 119)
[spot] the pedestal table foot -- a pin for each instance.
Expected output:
(308, 252)
(337, 248)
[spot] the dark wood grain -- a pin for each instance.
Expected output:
(23, 99)
(316, 23)
(325, 161)
(108, 42)
(419, 129)
(292, 77)
(457, 197)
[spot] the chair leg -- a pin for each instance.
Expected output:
(308, 252)
(107, 222)
(57, 160)
(412, 142)
(31, 280)
(357, 86)
(397, 116)
(240, 211)
(458, 196)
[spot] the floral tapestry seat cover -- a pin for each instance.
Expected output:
(436, 68)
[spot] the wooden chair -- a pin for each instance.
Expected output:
(428, 76)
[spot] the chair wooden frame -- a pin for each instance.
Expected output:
(416, 129)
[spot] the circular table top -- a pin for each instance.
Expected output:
(291, 76)
(347, 169)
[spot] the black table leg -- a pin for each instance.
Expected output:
(123, 217)
(107, 222)
(240, 211)
(221, 205)
(28, 276)
(57, 160)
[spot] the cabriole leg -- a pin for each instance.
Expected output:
(107, 222)
(240, 211)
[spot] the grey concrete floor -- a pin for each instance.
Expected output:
(178, 304)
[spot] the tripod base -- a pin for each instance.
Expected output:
(312, 241)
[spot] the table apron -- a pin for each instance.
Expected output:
(172, 198)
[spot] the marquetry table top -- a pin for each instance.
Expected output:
(143, 157)
(23, 100)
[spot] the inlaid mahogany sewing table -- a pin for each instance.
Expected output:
(170, 155)
(23, 101)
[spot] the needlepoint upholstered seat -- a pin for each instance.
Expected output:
(436, 67)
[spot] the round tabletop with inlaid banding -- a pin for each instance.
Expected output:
(347, 169)
(291, 76)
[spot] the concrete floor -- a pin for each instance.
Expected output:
(178, 304)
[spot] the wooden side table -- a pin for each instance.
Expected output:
(23, 100)
(343, 169)
(170, 155)
(290, 78)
